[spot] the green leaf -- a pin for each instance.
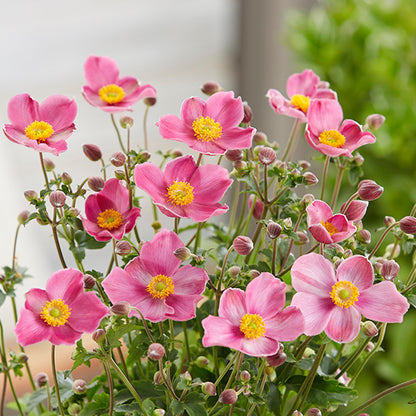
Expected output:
(193, 404)
(98, 406)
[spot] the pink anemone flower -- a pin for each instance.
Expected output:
(185, 190)
(326, 227)
(108, 213)
(210, 127)
(328, 134)
(301, 89)
(254, 321)
(335, 303)
(61, 313)
(107, 91)
(43, 127)
(155, 284)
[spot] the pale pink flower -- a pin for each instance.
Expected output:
(210, 127)
(301, 89)
(328, 134)
(326, 227)
(254, 321)
(155, 284)
(334, 303)
(185, 190)
(61, 313)
(108, 213)
(107, 91)
(43, 127)
(356, 210)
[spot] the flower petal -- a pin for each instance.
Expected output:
(220, 331)
(22, 111)
(192, 108)
(65, 284)
(304, 83)
(343, 324)
(287, 325)
(225, 109)
(172, 127)
(189, 280)
(259, 347)
(151, 179)
(30, 329)
(100, 71)
(232, 306)
(357, 270)
(324, 115)
(184, 306)
(36, 299)
(180, 169)
(59, 111)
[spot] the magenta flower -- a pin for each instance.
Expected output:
(210, 127)
(43, 127)
(335, 303)
(108, 212)
(326, 227)
(107, 91)
(328, 134)
(61, 313)
(301, 89)
(185, 190)
(254, 321)
(155, 284)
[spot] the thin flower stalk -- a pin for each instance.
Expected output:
(381, 239)
(55, 379)
(45, 175)
(337, 187)
(145, 139)
(118, 133)
(324, 176)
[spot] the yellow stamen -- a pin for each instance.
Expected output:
(180, 193)
(109, 219)
(344, 294)
(206, 129)
(332, 138)
(111, 94)
(39, 131)
(330, 227)
(55, 312)
(160, 286)
(301, 102)
(252, 326)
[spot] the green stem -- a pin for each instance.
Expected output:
(56, 239)
(110, 388)
(146, 111)
(185, 334)
(118, 133)
(218, 291)
(324, 176)
(291, 137)
(376, 247)
(55, 380)
(337, 187)
(42, 163)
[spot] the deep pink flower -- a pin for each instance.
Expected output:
(61, 313)
(325, 226)
(335, 303)
(107, 91)
(108, 212)
(254, 321)
(185, 190)
(155, 284)
(210, 127)
(301, 89)
(328, 134)
(43, 127)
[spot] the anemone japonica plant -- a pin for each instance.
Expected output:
(256, 298)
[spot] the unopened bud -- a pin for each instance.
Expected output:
(355, 210)
(234, 155)
(389, 270)
(158, 378)
(74, 409)
(369, 329)
(186, 376)
(248, 113)
(57, 199)
(392, 251)
(240, 166)
(79, 386)
(364, 236)
(66, 178)
(375, 121)
(96, 183)
(174, 153)
(182, 253)
(243, 245)
(158, 412)
(150, 101)
(22, 357)
(273, 229)
(30, 195)
(369, 190)
(310, 178)
(41, 379)
(209, 388)
(89, 281)
(306, 200)
(304, 164)
(118, 159)
(228, 396)
(287, 222)
(358, 159)
(49, 165)
(156, 225)
(23, 216)
(121, 308)
(267, 155)
(295, 173)
(211, 87)
(245, 375)
(277, 359)
(313, 411)
(122, 248)
(98, 335)
(252, 274)
(388, 221)
(145, 155)
(297, 413)
(259, 138)
(202, 361)
(234, 271)
(408, 225)
(258, 206)
(369, 347)
(156, 351)
(92, 151)
(119, 174)
(268, 370)
(126, 122)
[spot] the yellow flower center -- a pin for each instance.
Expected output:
(252, 326)
(206, 129)
(180, 193)
(39, 131)
(301, 102)
(344, 294)
(55, 312)
(332, 138)
(160, 286)
(109, 219)
(111, 94)
(330, 227)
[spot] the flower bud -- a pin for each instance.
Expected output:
(287, 222)
(30, 195)
(313, 411)
(158, 412)
(303, 238)
(96, 183)
(310, 178)
(306, 200)
(369, 190)
(392, 251)
(79, 386)
(245, 375)
(126, 122)
(267, 156)
(297, 413)
(156, 351)
(199, 259)
(74, 409)
(211, 87)
(156, 225)
(277, 359)
(149, 101)
(23, 216)
(248, 113)
(369, 347)
(209, 388)
(66, 178)
(118, 159)
(182, 253)
(122, 248)
(121, 308)
(89, 281)
(228, 396)
(355, 210)
(369, 329)
(41, 380)
(252, 274)
(364, 236)
(273, 229)
(375, 121)
(258, 206)
(98, 335)
(158, 378)
(57, 199)
(347, 253)
(234, 271)
(22, 357)
(92, 151)
(388, 221)
(234, 155)
(389, 269)
(202, 361)
(49, 165)
(358, 159)
(243, 245)
(119, 174)
(259, 138)
(408, 225)
(145, 155)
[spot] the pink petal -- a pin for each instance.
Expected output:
(180, 169)
(354, 136)
(282, 106)
(64, 335)
(225, 109)
(117, 193)
(129, 84)
(344, 324)
(357, 270)
(318, 211)
(236, 138)
(100, 234)
(155, 310)
(59, 111)
(382, 302)
(151, 179)
(314, 274)
(320, 234)
(36, 300)
(324, 115)
(287, 325)
(304, 83)
(232, 306)
(137, 270)
(313, 141)
(171, 210)
(100, 71)
(189, 280)
(15, 134)
(356, 210)
(22, 111)
(222, 332)
(200, 212)
(192, 108)
(259, 347)
(210, 148)
(184, 306)
(172, 127)
(65, 284)
(30, 329)
(129, 219)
